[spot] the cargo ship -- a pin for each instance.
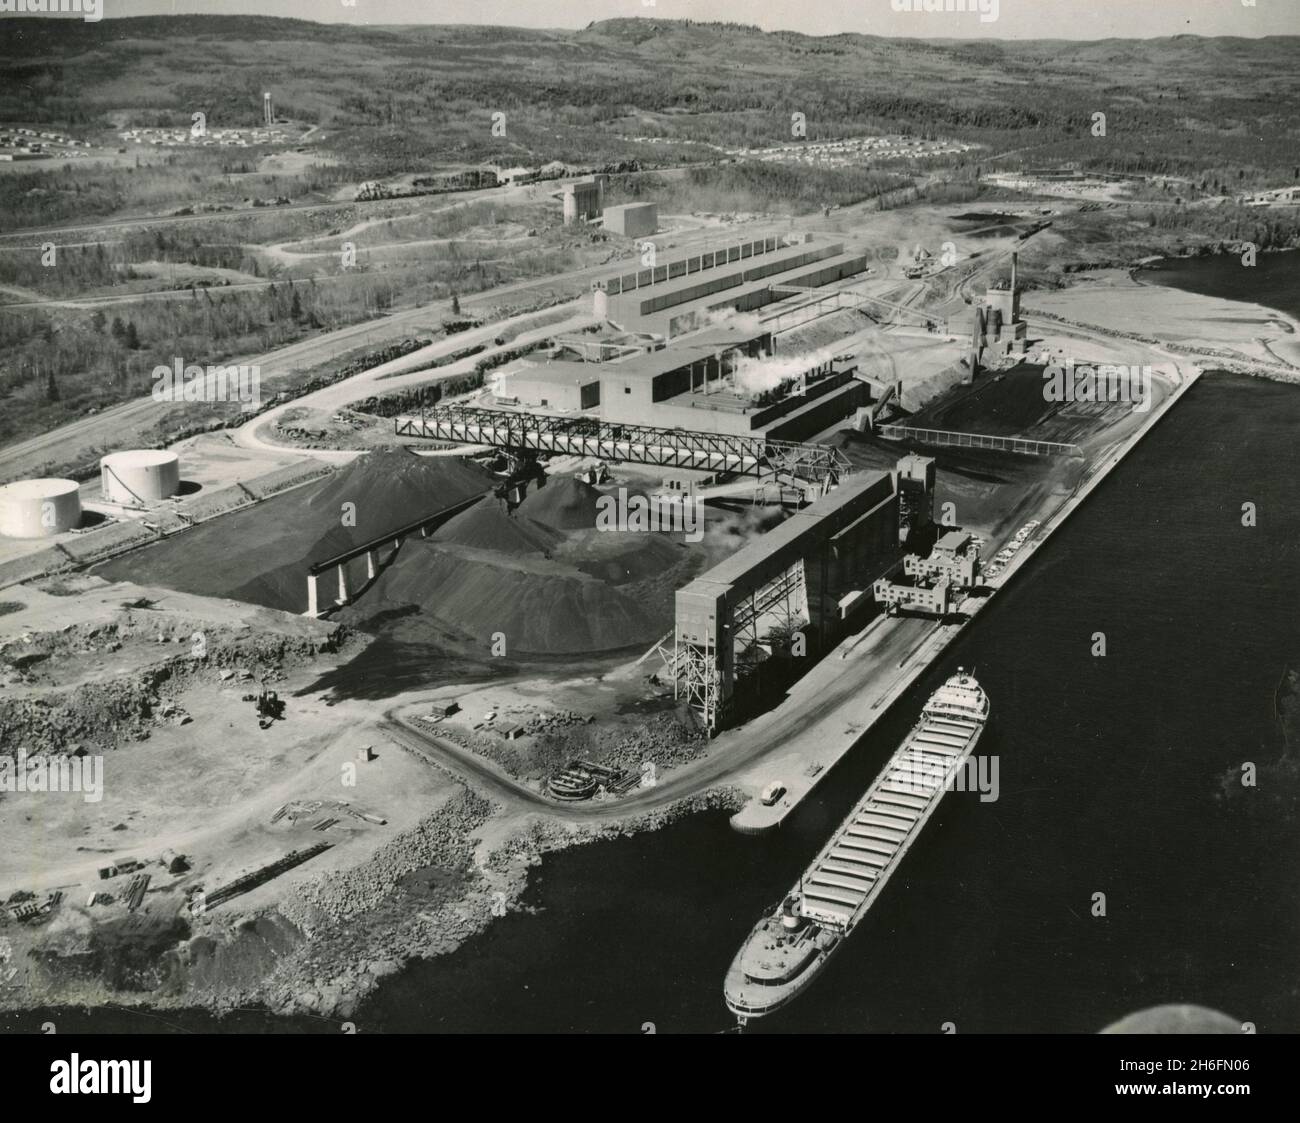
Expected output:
(788, 947)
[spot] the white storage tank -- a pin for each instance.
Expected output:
(139, 476)
(39, 508)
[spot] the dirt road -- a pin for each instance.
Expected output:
(733, 752)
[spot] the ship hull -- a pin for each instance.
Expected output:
(787, 950)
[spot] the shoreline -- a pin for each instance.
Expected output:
(295, 988)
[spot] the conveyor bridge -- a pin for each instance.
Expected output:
(950, 438)
(634, 444)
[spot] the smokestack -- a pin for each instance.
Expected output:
(977, 340)
(1014, 259)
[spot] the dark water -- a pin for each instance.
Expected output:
(1273, 281)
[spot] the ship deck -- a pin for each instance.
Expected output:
(774, 965)
(843, 881)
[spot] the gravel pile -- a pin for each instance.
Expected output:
(441, 840)
(667, 740)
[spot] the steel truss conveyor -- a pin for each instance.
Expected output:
(635, 444)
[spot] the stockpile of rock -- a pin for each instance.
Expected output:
(666, 739)
(553, 740)
(96, 715)
(440, 840)
(366, 922)
(556, 719)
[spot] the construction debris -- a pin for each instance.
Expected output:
(135, 891)
(23, 905)
(266, 873)
(121, 866)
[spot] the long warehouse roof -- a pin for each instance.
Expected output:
(681, 352)
(854, 497)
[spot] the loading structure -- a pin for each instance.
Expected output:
(795, 579)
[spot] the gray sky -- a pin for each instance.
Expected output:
(1018, 19)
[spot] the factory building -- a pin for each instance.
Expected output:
(559, 385)
(931, 583)
(933, 599)
(139, 477)
(584, 199)
(688, 293)
(631, 389)
(916, 479)
(955, 556)
(39, 508)
(703, 383)
(633, 220)
(999, 330)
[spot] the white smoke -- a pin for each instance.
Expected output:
(755, 376)
(730, 318)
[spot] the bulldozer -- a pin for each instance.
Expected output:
(269, 707)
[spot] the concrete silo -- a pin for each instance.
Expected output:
(39, 508)
(139, 476)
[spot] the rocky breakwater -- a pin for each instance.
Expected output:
(420, 895)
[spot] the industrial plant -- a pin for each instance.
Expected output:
(640, 509)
